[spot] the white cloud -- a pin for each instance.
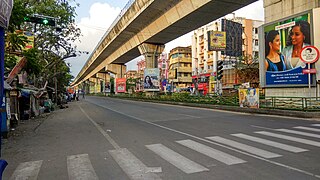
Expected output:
(101, 16)
(253, 11)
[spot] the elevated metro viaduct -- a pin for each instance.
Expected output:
(144, 26)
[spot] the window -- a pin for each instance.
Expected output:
(256, 30)
(256, 42)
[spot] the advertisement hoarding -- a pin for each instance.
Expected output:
(233, 38)
(249, 97)
(283, 41)
(217, 41)
(151, 79)
(120, 85)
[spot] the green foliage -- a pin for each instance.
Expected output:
(32, 67)
(130, 84)
(46, 60)
(247, 69)
(112, 85)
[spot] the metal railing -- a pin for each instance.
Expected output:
(294, 103)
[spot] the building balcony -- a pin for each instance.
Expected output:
(184, 79)
(184, 69)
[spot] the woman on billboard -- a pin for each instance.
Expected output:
(299, 37)
(274, 60)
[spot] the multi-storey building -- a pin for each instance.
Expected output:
(131, 74)
(204, 61)
(180, 67)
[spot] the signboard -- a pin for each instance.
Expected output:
(309, 71)
(233, 38)
(249, 97)
(121, 85)
(151, 79)
(283, 41)
(5, 12)
(217, 41)
(309, 54)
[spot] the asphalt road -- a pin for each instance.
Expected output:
(106, 138)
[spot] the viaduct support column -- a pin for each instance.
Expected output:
(151, 53)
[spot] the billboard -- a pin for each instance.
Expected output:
(151, 79)
(233, 38)
(283, 41)
(249, 97)
(120, 85)
(217, 41)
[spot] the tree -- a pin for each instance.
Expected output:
(247, 70)
(51, 47)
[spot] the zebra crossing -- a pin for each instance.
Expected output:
(80, 167)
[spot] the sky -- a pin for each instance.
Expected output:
(94, 17)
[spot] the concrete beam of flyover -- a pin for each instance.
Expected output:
(153, 21)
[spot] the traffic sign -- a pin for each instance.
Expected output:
(309, 54)
(309, 71)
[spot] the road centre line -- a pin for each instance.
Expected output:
(211, 142)
(102, 131)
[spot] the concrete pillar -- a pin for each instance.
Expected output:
(118, 69)
(151, 53)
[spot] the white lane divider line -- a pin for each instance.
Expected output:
(174, 158)
(299, 133)
(244, 147)
(27, 170)
(80, 168)
(270, 143)
(133, 167)
(290, 138)
(101, 130)
(211, 152)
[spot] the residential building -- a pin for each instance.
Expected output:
(131, 74)
(180, 67)
(204, 61)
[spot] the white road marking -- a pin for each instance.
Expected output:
(190, 116)
(132, 166)
(317, 125)
(290, 138)
(27, 171)
(299, 133)
(80, 168)
(244, 147)
(307, 128)
(217, 144)
(174, 158)
(101, 130)
(271, 143)
(210, 152)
